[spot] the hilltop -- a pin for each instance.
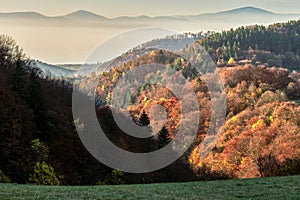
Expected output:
(276, 45)
(247, 10)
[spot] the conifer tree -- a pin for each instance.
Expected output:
(151, 143)
(144, 119)
(163, 137)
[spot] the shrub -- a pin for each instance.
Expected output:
(115, 178)
(43, 174)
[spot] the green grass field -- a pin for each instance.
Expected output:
(264, 188)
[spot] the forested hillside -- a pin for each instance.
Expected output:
(261, 136)
(278, 44)
(261, 133)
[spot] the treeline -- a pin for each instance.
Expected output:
(281, 39)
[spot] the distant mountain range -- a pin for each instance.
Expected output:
(70, 38)
(84, 16)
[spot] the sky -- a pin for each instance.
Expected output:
(115, 8)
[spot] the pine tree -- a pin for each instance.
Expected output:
(163, 137)
(144, 119)
(151, 143)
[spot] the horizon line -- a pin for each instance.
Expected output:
(134, 16)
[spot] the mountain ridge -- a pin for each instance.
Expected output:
(83, 13)
(247, 9)
(23, 14)
(92, 15)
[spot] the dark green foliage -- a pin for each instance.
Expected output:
(163, 137)
(43, 174)
(115, 178)
(281, 39)
(40, 150)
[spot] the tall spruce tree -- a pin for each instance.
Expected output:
(163, 137)
(150, 144)
(144, 119)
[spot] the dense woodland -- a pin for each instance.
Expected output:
(278, 44)
(261, 136)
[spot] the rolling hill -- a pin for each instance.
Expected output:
(55, 71)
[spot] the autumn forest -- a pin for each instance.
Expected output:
(258, 65)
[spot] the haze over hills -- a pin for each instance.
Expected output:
(55, 70)
(246, 16)
(86, 15)
(70, 38)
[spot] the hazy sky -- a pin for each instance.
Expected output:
(113, 8)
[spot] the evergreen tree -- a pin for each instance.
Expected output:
(144, 119)
(163, 137)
